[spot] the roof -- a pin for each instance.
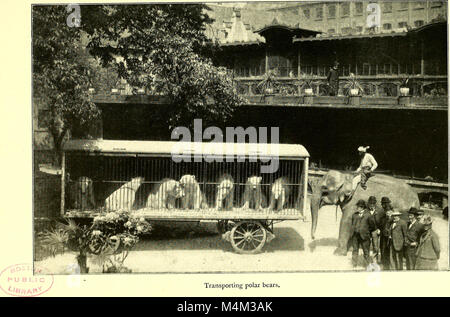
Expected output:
(252, 18)
(430, 26)
(292, 29)
(396, 33)
(347, 37)
(178, 149)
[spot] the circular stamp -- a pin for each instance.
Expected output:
(18, 280)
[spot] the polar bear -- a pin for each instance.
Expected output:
(253, 196)
(279, 193)
(225, 193)
(123, 198)
(165, 195)
(193, 197)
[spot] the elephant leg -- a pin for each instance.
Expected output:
(344, 236)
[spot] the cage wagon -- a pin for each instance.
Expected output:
(230, 183)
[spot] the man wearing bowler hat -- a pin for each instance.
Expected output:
(363, 224)
(384, 223)
(397, 240)
(375, 212)
(415, 230)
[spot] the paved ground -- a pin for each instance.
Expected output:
(202, 250)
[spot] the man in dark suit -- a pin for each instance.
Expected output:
(397, 240)
(363, 224)
(333, 79)
(384, 221)
(415, 230)
(377, 213)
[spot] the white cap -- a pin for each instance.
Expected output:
(363, 148)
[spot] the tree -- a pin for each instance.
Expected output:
(163, 48)
(61, 78)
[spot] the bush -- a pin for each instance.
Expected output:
(109, 238)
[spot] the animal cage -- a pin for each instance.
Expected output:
(185, 181)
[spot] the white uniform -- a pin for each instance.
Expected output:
(368, 161)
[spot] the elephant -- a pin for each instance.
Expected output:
(335, 188)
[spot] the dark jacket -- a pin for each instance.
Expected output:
(429, 247)
(398, 235)
(363, 225)
(385, 225)
(380, 218)
(333, 77)
(413, 234)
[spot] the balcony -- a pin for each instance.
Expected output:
(381, 91)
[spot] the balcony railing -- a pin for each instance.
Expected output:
(374, 86)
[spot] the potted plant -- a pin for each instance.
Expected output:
(109, 238)
(353, 85)
(308, 85)
(404, 89)
(268, 84)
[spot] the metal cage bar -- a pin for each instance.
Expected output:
(115, 174)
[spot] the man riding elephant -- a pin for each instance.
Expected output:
(366, 167)
(336, 189)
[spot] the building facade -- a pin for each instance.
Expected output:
(350, 17)
(396, 44)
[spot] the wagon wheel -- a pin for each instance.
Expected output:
(248, 237)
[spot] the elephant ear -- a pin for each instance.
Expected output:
(332, 181)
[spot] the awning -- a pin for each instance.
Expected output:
(348, 37)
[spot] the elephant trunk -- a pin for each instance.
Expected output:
(315, 201)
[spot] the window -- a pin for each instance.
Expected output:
(346, 30)
(319, 13)
(387, 26)
(331, 31)
(331, 11)
(387, 7)
(394, 69)
(283, 64)
(366, 69)
(306, 13)
(345, 9)
(358, 8)
(418, 23)
(417, 5)
(403, 5)
(436, 4)
(402, 24)
(307, 70)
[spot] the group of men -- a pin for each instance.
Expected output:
(393, 239)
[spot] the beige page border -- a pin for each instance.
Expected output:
(16, 207)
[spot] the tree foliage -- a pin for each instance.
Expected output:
(61, 78)
(163, 48)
